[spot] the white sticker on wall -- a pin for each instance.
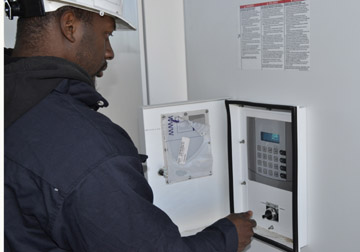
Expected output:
(184, 147)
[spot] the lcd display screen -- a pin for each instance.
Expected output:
(270, 137)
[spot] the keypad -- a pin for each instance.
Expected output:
(271, 162)
(276, 150)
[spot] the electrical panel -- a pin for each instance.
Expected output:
(254, 160)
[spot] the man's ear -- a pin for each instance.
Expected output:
(69, 25)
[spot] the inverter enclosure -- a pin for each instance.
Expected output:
(211, 158)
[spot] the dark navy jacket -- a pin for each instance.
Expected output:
(74, 180)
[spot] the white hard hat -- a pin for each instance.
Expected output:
(113, 8)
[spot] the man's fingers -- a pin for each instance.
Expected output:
(253, 223)
(246, 215)
(250, 213)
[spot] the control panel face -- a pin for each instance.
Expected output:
(269, 152)
(268, 164)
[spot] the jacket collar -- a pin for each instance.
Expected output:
(29, 80)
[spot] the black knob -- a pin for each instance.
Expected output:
(161, 172)
(271, 214)
(267, 215)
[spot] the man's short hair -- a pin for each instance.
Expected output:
(32, 30)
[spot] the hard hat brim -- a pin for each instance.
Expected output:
(120, 21)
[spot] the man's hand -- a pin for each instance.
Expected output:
(244, 226)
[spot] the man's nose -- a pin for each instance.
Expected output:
(109, 53)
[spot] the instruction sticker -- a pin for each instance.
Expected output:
(274, 35)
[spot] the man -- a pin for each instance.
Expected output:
(73, 179)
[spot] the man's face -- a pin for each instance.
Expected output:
(94, 48)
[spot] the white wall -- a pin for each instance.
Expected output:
(165, 50)
(9, 32)
(329, 91)
(122, 82)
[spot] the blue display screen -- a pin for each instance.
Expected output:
(270, 137)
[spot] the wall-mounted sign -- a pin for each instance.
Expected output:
(275, 35)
